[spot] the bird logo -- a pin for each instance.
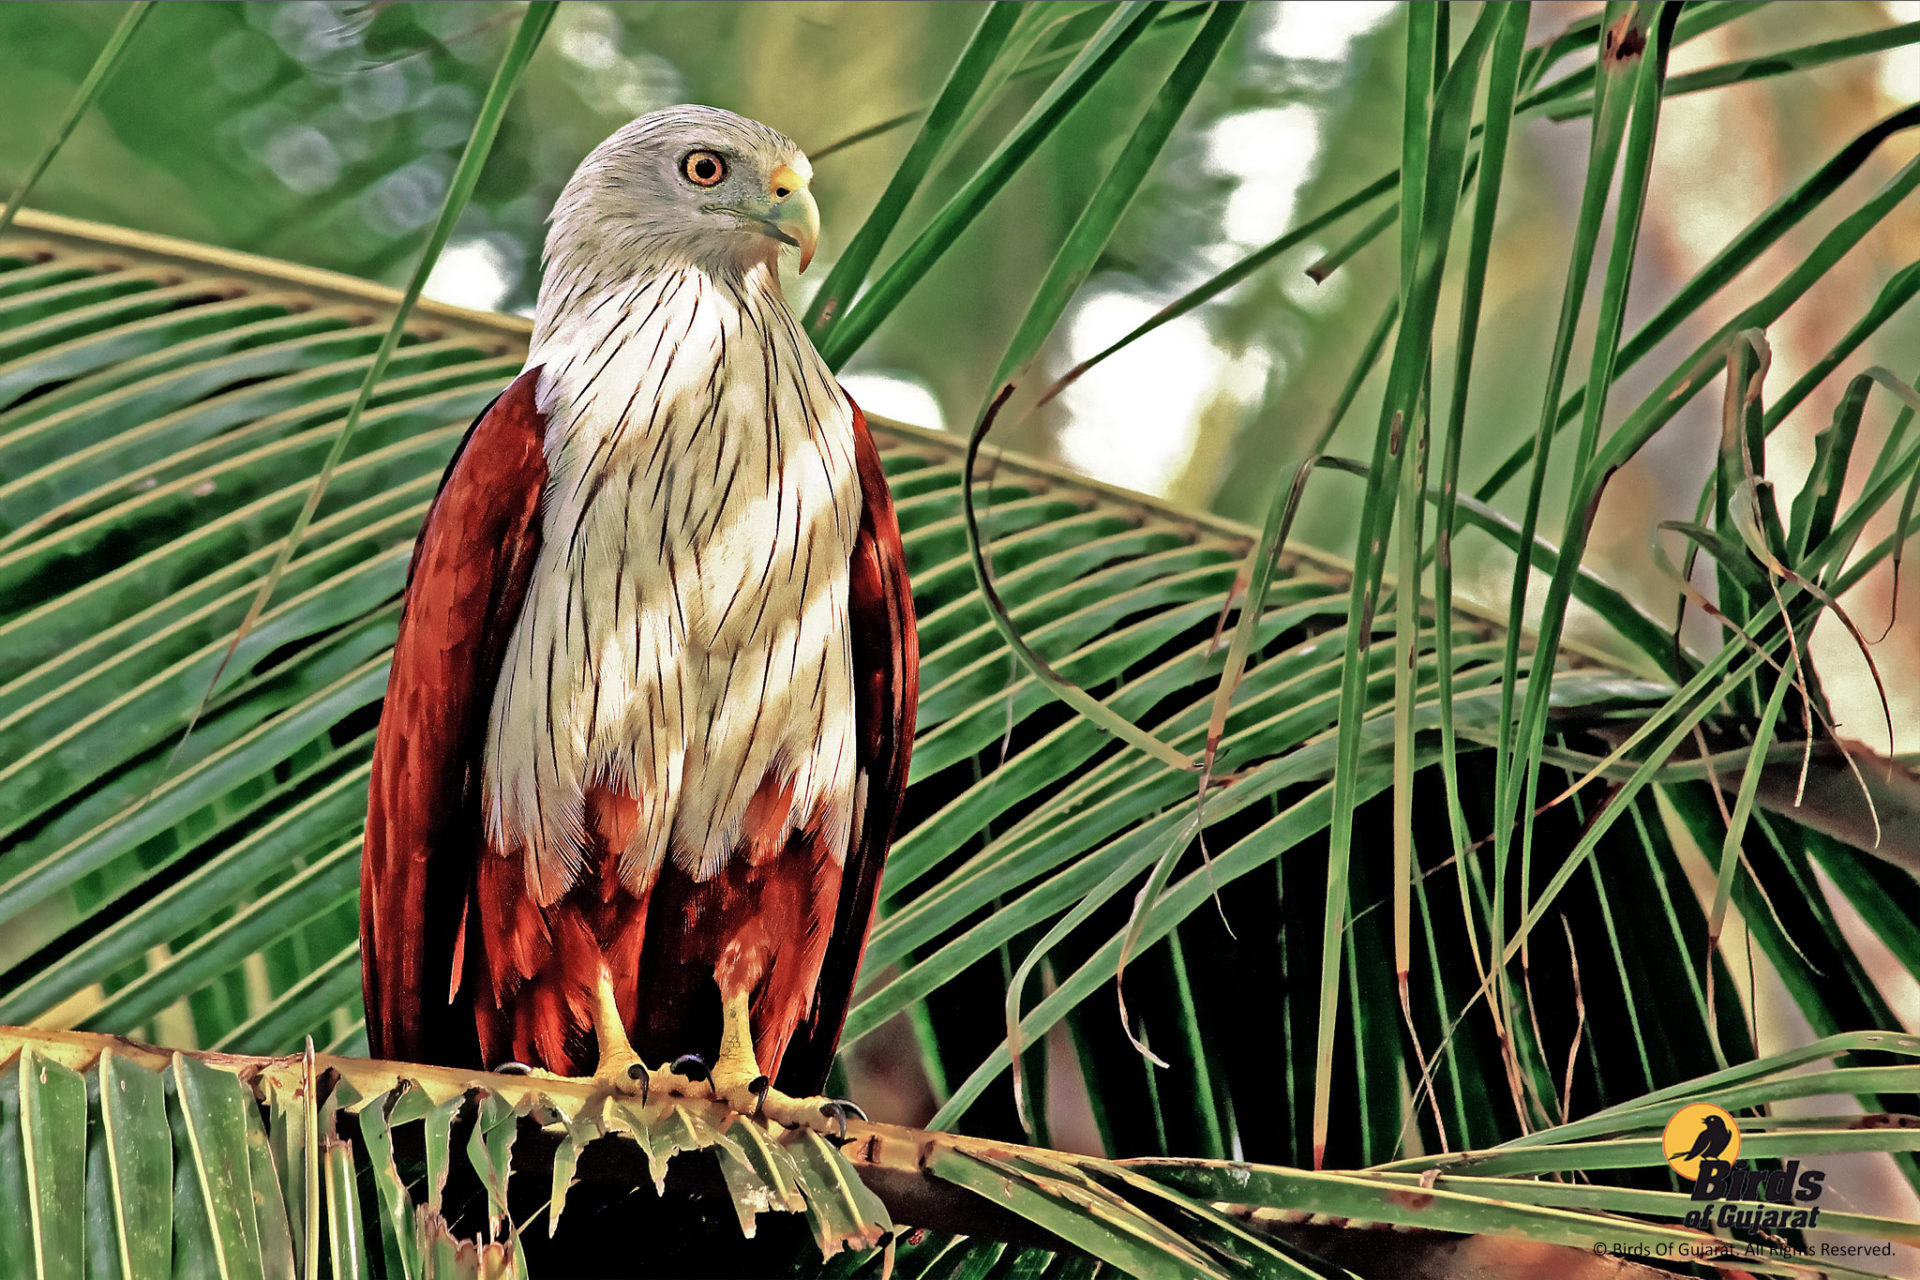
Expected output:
(1699, 1132)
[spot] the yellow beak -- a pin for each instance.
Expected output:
(794, 216)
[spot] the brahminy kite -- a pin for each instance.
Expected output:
(647, 727)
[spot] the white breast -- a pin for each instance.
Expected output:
(685, 630)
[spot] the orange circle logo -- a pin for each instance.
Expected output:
(1699, 1132)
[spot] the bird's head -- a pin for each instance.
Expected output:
(686, 185)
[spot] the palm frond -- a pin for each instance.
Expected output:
(118, 1158)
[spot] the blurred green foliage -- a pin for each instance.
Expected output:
(325, 132)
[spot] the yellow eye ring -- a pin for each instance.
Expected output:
(704, 168)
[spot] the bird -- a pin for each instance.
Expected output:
(650, 709)
(1712, 1140)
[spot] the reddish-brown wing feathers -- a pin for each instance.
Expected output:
(886, 672)
(465, 590)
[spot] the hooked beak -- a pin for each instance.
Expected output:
(792, 217)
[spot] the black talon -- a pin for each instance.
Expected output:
(692, 1066)
(759, 1089)
(513, 1069)
(838, 1110)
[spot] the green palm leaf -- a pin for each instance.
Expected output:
(250, 1136)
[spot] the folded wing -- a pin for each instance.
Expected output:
(886, 672)
(424, 839)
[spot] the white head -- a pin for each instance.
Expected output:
(682, 186)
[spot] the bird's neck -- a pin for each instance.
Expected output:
(672, 322)
(585, 276)
(675, 355)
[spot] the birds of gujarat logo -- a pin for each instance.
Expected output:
(1699, 1132)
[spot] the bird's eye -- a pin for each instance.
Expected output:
(703, 168)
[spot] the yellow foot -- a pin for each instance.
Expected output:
(754, 1096)
(737, 1081)
(621, 1074)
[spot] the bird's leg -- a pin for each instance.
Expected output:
(620, 1069)
(736, 1079)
